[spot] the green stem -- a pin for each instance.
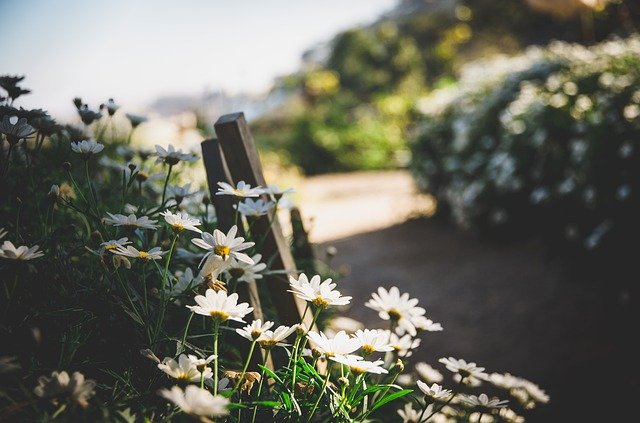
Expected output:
(186, 329)
(166, 182)
(320, 394)
(255, 408)
(246, 365)
(216, 327)
(163, 304)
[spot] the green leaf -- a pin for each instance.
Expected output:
(371, 390)
(389, 398)
(270, 404)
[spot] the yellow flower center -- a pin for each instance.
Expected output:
(255, 334)
(183, 376)
(367, 349)
(110, 246)
(357, 370)
(394, 314)
(320, 302)
(178, 227)
(270, 343)
(144, 255)
(221, 250)
(219, 315)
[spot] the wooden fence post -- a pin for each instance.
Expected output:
(241, 156)
(217, 171)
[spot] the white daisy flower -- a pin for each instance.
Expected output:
(115, 243)
(254, 208)
(172, 157)
(409, 415)
(463, 368)
(220, 306)
(428, 373)
(202, 364)
(340, 344)
(391, 305)
(130, 221)
(241, 190)
(245, 272)
(181, 192)
(320, 294)
(422, 324)
(10, 251)
(196, 401)
(403, 344)
(184, 281)
(359, 365)
(373, 340)
(509, 416)
(180, 221)
(86, 148)
(62, 386)
(253, 331)
(224, 246)
(213, 266)
(524, 390)
(129, 251)
(184, 369)
(483, 403)
(346, 324)
(15, 129)
(272, 338)
(276, 193)
(135, 120)
(435, 391)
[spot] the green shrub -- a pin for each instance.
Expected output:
(545, 142)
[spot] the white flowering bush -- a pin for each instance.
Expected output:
(119, 301)
(545, 143)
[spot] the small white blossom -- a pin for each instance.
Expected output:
(359, 365)
(245, 272)
(171, 156)
(196, 401)
(181, 192)
(391, 305)
(87, 147)
(253, 331)
(423, 324)
(270, 339)
(403, 344)
(62, 386)
(220, 306)
(409, 415)
(428, 373)
(184, 369)
(463, 368)
(180, 221)
(254, 208)
(15, 129)
(224, 246)
(242, 190)
(130, 221)
(482, 402)
(340, 344)
(115, 243)
(129, 251)
(373, 340)
(10, 251)
(275, 193)
(435, 391)
(321, 294)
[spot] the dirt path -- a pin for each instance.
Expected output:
(509, 307)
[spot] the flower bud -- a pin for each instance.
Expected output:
(400, 366)
(206, 200)
(132, 166)
(331, 251)
(150, 355)
(66, 166)
(344, 381)
(301, 329)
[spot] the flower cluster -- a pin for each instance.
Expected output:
(519, 141)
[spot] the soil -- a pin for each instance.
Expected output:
(510, 307)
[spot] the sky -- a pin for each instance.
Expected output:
(135, 51)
